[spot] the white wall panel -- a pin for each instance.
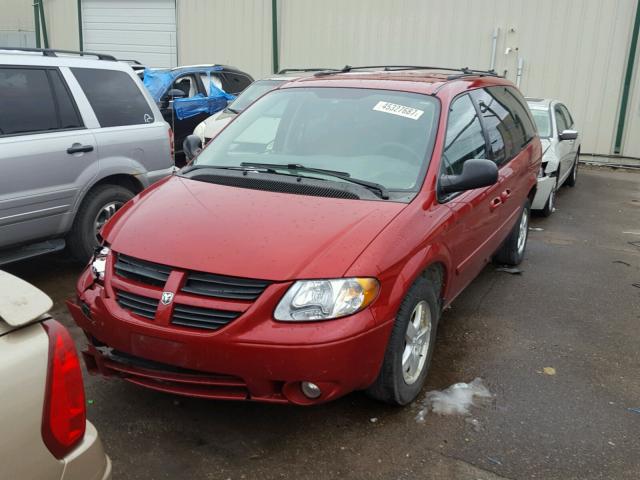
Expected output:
(229, 32)
(574, 50)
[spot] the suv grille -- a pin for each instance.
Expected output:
(141, 270)
(198, 317)
(223, 287)
(142, 306)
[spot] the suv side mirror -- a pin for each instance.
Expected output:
(568, 135)
(174, 93)
(192, 146)
(476, 173)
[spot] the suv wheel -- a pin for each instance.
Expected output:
(96, 209)
(512, 250)
(406, 361)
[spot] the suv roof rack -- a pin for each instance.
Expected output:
(293, 70)
(52, 52)
(464, 71)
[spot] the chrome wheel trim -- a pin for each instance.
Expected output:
(104, 214)
(417, 342)
(523, 231)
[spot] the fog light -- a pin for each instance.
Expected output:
(311, 390)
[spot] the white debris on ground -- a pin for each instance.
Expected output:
(455, 400)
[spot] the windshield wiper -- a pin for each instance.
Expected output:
(379, 190)
(232, 110)
(191, 168)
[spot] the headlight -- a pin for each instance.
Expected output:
(99, 262)
(309, 300)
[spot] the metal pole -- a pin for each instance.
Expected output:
(274, 35)
(624, 101)
(45, 37)
(494, 48)
(80, 39)
(36, 20)
(519, 71)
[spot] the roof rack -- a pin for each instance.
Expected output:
(51, 52)
(464, 71)
(292, 70)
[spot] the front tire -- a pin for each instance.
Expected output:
(512, 250)
(96, 209)
(410, 348)
(573, 176)
(551, 201)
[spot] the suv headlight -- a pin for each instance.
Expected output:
(309, 300)
(99, 262)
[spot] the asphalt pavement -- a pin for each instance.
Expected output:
(573, 310)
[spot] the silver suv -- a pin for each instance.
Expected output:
(79, 137)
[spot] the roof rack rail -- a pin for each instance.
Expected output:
(292, 70)
(52, 52)
(464, 71)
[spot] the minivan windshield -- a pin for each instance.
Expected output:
(543, 121)
(379, 136)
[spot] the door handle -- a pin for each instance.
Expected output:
(506, 194)
(495, 203)
(77, 148)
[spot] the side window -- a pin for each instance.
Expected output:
(499, 126)
(235, 83)
(207, 80)
(464, 139)
(567, 116)
(186, 83)
(561, 121)
(67, 112)
(26, 101)
(114, 96)
(515, 102)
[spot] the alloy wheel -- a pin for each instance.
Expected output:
(417, 343)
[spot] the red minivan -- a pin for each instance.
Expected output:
(309, 249)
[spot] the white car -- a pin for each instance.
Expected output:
(561, 149)
(209, 128)
(44, 434)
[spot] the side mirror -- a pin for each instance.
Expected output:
(174, 93)
(476, 173)
(192, 146)
(568, 135)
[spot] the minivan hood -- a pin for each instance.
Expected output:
(247, 233)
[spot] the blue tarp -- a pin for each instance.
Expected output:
(159, 81)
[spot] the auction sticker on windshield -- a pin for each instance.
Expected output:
(400, 110)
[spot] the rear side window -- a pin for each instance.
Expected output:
(114, 97)
(234, 83)
(464, 139)
(34, 100)
(507, 120)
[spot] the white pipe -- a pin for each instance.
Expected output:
(494, 48)
(519, 72)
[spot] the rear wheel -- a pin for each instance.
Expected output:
(512, 250)
(97, 208)
(410, 347)
(573, 176)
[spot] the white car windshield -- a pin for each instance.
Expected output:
(253, 91)
(379, 136)
(543, 122)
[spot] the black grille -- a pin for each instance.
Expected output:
(141, 270)
(277, 186)
(219, 286)
(142, 306)
(197, 317)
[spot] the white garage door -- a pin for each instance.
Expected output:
(143, 30)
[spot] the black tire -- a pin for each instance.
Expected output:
(390, 386)
(82, 240)
(572, 179)
(511, 252)
(551, 201)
